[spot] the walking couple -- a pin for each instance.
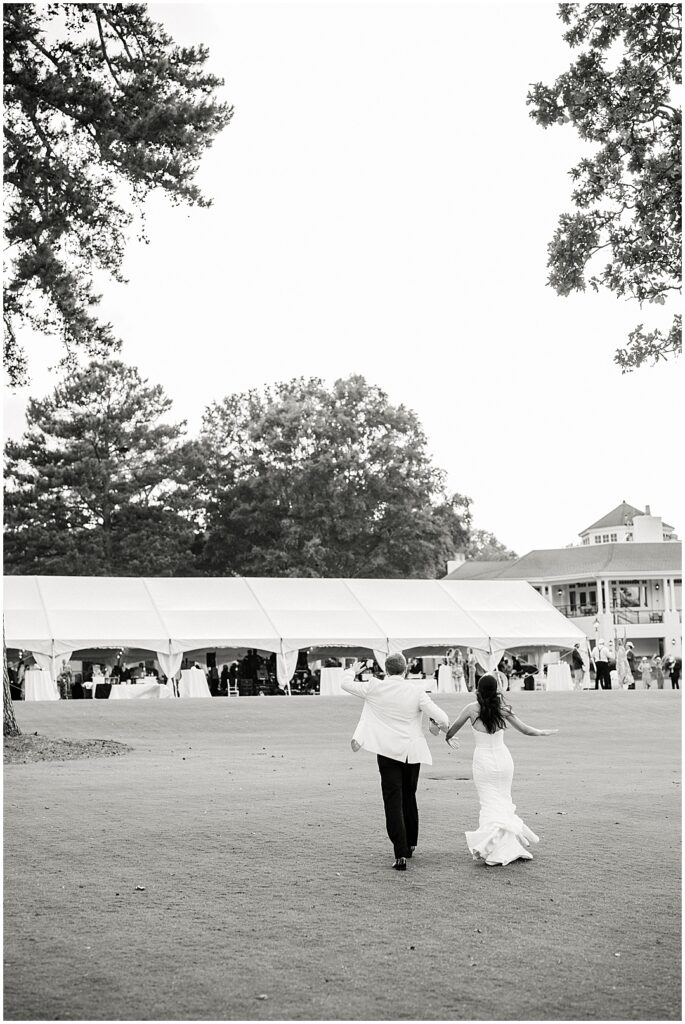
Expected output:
(391, 727)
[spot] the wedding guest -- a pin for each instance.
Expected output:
(470, 670)
(21, 683)
(623, 673)
(645, 674)
(658, 672)
(601, 657)
(577, 667)
(223, 680)
(455, 660)
(676, 672)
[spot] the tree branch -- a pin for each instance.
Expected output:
(104, 51)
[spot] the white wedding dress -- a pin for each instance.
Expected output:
(501, 836)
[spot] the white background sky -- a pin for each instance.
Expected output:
(382, 205)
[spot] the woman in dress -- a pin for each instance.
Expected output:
(455, 660)
(658, 672)
(623, 673)
(501, 836)
(646, 674)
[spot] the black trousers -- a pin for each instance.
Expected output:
(603, 675)
(399, 781)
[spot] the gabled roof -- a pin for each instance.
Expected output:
(588, 559)
(618, 516)
(475, 569)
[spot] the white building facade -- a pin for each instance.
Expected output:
(624, 589)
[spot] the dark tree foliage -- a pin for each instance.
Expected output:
(93, 487)
(100, 108)
(483, 546)
(625, 234)
(305, 480)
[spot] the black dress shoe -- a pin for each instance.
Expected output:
(400, 864)
(411, 852)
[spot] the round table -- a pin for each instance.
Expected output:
(39, 686)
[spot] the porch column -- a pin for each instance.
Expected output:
(600, 601)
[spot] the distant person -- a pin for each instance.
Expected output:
(676, 673)
(630, 655)
(601, 658)
(623, 674)
(470, 670)
(645, 674)
(505, 668)
(502, 836)
(577, 667)
(15, 689)
(224, 681)
(214, 680)
(21, 678)
(455, 660)
(658, 672)
(667, 666)
(391, 727)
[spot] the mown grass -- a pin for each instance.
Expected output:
(258, 840)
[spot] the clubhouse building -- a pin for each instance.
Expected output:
(622, 582)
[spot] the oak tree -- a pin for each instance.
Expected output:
(302, 479)
(625, 232)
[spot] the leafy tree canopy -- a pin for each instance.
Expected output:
(483, 546)
(100, 109)
(618, 94)
(304, 480)
(93, 487)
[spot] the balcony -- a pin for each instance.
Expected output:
(633, 616)
(580, 611)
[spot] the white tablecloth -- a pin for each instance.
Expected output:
(139, 691)
(331, 682)
(39, 686)
(445, 680)
(559, 677)
(193, 683)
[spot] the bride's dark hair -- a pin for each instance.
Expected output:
(490, 704)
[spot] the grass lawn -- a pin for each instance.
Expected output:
(268, 894)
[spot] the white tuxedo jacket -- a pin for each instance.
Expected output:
(391, 722)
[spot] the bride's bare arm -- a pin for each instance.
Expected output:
(527, 730)
(458, 722)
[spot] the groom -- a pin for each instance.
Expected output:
(391, 727)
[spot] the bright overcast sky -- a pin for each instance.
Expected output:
(382, 205)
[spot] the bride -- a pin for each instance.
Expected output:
(501, 836)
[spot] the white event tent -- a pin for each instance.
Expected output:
(52, 616)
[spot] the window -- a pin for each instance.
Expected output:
(633, 594)
(605, 538)
(598, 539)
(614, 538)
(629, 536)
(586, 540)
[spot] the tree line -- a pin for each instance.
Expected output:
(294, 479)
